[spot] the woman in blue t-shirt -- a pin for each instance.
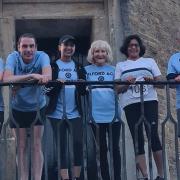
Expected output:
(103, 105)
(64, 108)
(1, 98)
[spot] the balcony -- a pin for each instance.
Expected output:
(91, 169)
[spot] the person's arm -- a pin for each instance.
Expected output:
(172, 74)
(157, 78)
(122, 88)
(10, 77)
(1, 69)
(46, 74)
(156, 74)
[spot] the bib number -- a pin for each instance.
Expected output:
(136, 90)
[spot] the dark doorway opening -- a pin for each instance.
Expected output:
(48, 32)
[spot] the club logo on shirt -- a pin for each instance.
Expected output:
(100, 78)
(68, 75)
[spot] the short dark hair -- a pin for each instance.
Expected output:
(124, 47)
(26, 35)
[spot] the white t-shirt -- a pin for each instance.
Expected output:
(142, 67)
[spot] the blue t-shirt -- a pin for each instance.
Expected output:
(1, 97)
(67, 71)
(28, 98)
(174, 67)
(103, 99)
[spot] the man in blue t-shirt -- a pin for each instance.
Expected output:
(173, 72)
(25, 65)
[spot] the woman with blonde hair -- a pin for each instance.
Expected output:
(103, 105)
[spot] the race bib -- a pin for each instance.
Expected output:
(136, 88)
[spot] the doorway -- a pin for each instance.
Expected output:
(48, 32)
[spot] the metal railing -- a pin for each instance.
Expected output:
(91, 153)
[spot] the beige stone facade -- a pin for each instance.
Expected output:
(156, 21)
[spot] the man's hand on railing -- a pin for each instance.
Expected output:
(42, 79)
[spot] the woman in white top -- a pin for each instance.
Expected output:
(138, 68)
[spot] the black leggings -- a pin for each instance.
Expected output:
(77, 135)
(103, 129)
(133, 114)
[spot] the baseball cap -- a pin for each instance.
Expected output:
(66, 38)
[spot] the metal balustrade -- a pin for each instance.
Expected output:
(91, 153)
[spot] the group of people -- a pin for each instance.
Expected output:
(30, 105)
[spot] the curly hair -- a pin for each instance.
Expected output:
(124, 47)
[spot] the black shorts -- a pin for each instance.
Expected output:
(26, 119)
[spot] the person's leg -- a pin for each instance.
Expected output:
(22, 158)
(22, 120)
(133, 113)
(37, 152)
(178, 122)
(77, 129)
(91, 152)
(158, 160)
(103, 128)
(116, 151)
(103, 149)
(63, 149)
(141, 164)
(151, 113)
(1, 120)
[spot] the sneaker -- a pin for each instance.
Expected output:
(159, 178)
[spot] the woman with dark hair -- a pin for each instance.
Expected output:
(66, 69)
(138, 68)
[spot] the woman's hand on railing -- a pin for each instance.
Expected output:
(151, 79)
(148, 79)
(124, 88)
(177, 78)
(61, 80)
